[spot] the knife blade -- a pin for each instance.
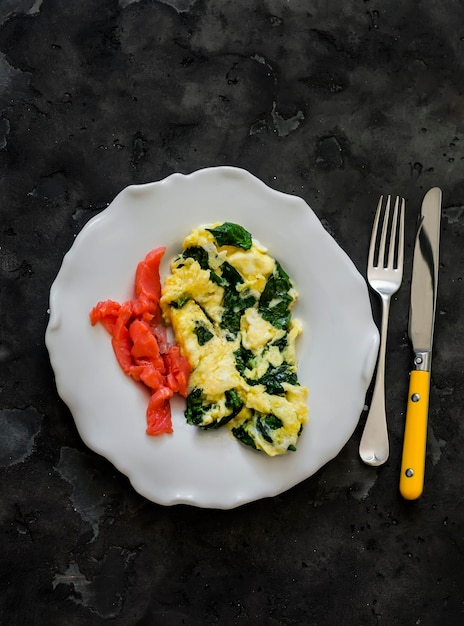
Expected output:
(424, 284)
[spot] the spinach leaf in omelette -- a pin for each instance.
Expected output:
(235, 302)
(199, 254)
(196, 408)
(239, 333)
(198, 411)
(229, 234)
(241, 433)
(266, 424)
(234, 307)
(181, 301)
(276, 299)
(203, 334)
(260, 431)
(243, 359)
(275, 376)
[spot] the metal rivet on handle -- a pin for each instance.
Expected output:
(409, 472)
(418, 360)
(415, 397)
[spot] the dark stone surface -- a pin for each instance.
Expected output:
(334, 101)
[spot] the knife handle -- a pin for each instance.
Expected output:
(415, 436)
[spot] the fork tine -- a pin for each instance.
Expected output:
(393, 240)
(373, 244)
(401, 240)
(383, 235)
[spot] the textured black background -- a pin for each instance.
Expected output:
(334, 101)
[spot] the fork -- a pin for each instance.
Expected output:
(384, 274)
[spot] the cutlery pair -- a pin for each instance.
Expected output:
(385, 272)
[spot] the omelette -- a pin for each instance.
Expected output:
(229, 304)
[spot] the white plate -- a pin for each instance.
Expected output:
(336, 351)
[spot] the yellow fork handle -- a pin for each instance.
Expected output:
(415, 436)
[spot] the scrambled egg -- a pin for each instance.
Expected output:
(229, 304)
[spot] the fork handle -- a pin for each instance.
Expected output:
(374, 447)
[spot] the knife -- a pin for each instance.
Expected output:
(421, 322)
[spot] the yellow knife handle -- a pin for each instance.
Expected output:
(415, 436)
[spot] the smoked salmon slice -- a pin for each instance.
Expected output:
(141, 346)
